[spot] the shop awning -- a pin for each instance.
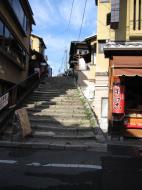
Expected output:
(127, 65)
(127, 72)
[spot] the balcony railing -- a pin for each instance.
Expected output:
(16, 56)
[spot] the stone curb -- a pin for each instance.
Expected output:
(31, 145)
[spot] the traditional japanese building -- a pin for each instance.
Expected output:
(16, 20)
(38, 59)
(119, 36)
(82, 60)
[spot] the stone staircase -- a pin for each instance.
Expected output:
(57, 116)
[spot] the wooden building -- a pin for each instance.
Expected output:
(16, 20)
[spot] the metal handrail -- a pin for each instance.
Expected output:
(7, 100)
(7, 111)
(18, 84)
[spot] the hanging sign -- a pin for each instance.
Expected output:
(118, 99)
(4, 101)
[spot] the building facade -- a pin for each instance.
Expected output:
(38, 59)
(122, 50)
(16, 19)
(82, 60)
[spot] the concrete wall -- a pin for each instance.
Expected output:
(86, 80)
(101, 91)
(35, 43)
(10, 71)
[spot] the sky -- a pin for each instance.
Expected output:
(54, 25)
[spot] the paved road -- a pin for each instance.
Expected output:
(49, 169)
(43, 177)
(51, 156)
(70, 170)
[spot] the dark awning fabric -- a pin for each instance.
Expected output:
(127, 65)
(127, 61)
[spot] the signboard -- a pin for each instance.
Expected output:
(118, 99)
(23, 118)
(82, 64)
(4, 101)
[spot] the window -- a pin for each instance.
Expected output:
(101, 47)
(104, 1)
(94, 58)
(19, 12)
(104, 107)
(137, 14)
(6, 32)
(1, 28)
(10, 45)
(115, 13)
(140, 14)
(134, 16)
(108, 18)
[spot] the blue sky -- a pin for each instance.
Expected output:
(52, 18)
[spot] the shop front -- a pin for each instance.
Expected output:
(125, 96)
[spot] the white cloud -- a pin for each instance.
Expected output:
(65, 9)
(52, 17)
(77, 13)
(44, 13)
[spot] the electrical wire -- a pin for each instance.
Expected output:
(82, 20)
(98, 21)
(70, 15)
(67, 30)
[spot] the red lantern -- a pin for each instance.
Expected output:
(118, 99)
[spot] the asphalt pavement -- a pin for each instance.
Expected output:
(35, 169)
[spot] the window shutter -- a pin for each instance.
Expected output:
(115, 13)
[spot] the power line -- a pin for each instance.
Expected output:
(64, 58)
(70, 16)
(82, 20)
(98, 21)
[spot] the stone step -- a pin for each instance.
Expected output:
(69, 98)
(56, 86)
(56, 95)
(74, 92)
(66, 125)
(57, 118)
(46, 90)
(57, 111)
(57, 100)
(44, 105)
(57, 131)
(47, 102)
(56, 128)
(64, 122)
(50, 134)
(58, 144)
(67, 88)
(56, 115)
(61, 96)
(58, 83)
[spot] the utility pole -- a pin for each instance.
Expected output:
(66, 60)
